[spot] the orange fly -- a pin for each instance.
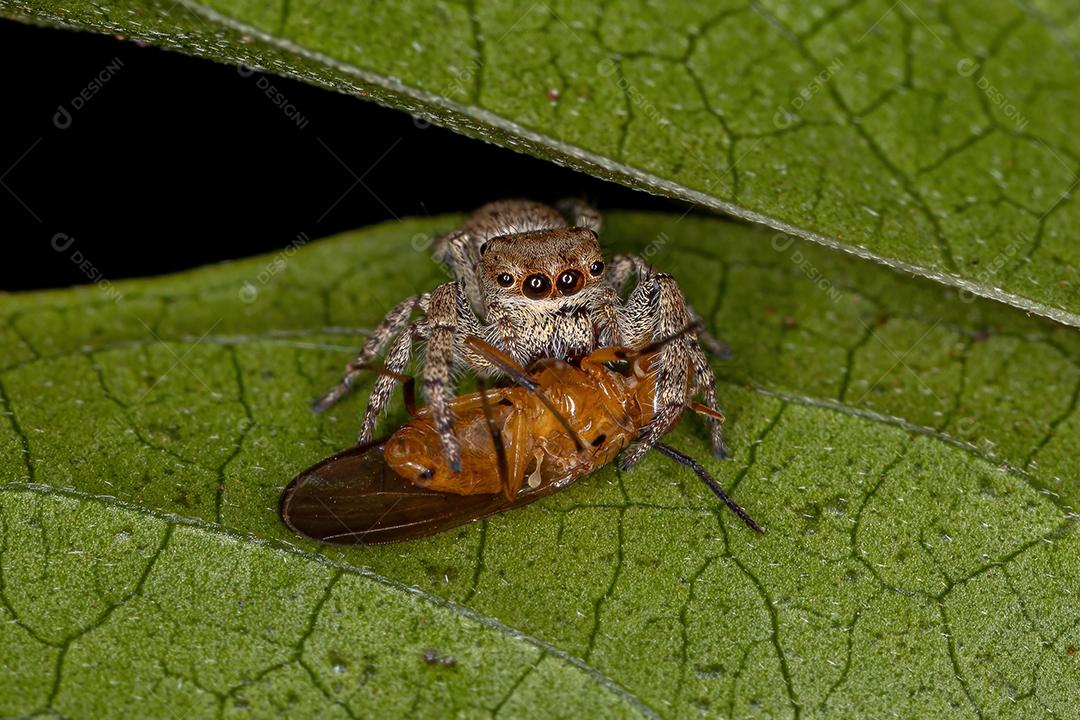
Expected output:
(559, 422)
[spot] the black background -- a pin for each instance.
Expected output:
(176, 162)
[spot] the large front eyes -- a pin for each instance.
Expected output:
(570, 281)
(536, 287)
(505, 279)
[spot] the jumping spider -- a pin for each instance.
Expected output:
(531, 281)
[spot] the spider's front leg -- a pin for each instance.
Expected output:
(396, 360)
(450, 319)
(623, 267)
(657, 309)
(394, 331)
(461, 253)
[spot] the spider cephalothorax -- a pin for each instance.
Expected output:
(531, 281)
(545, 294)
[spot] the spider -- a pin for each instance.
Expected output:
(531, 281)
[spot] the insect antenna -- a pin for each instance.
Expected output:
(620, 354)
(496, 439)
(708, 480)
(691, 327)
(517, 373)
(408, 386)
(659, 343)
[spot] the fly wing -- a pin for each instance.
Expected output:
(354, 498)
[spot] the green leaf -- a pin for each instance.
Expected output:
(179, 619)
(937, 138)
(911, 451)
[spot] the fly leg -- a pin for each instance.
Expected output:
(520, 444)
(512, 369)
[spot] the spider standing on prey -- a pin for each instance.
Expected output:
(556, 423)
(530, 280)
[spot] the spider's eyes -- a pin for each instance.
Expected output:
(505, 279)
(596, 268)
(483, 248)
(536, 286)
(569, 282)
